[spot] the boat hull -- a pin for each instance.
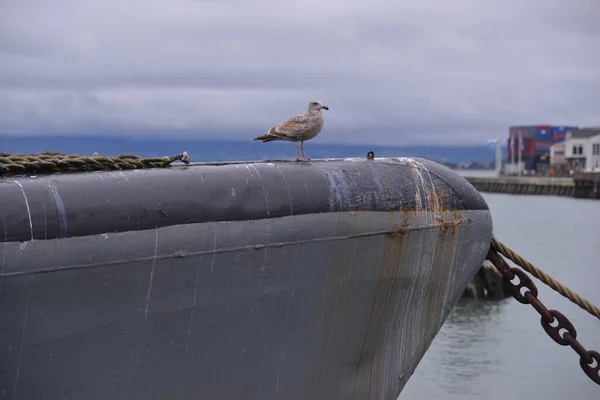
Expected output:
(340, 302)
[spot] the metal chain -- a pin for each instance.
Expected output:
(556, 325)
(545, 278)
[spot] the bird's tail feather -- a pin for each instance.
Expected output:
(262, 137)
(267, 137)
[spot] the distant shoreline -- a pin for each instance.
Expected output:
(227, 150)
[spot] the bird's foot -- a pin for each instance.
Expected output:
(303, 159)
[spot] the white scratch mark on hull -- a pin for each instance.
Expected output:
(212, 264)
(151, 275)
(287, 188)
(3, 253)
(22, 340)
(123, 175)
(26, 205)
(192, 314)
(263, 188)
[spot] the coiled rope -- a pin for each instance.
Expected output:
(51, 162)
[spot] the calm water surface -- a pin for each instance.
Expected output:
(498, 350)
(476, 172)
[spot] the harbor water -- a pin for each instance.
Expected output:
(498, 350)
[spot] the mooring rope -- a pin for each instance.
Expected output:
(50, 162)
(555, 323)
(545, 278)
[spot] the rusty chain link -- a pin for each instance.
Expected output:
(497, 246)
(556, 325)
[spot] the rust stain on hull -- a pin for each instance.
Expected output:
(390, 296)
(441, 276)
(382, 310)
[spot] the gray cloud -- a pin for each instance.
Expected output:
(391, 72)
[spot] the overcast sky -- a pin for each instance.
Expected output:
(391, 71)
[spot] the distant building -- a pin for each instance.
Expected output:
(558, 162)
(582, 149)
(536, 141)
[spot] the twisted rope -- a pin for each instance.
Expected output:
(545, 278)
(50, 162)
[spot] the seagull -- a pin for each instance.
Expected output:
(298, 128)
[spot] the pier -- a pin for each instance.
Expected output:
(582, 185)
(525, 185)
(587, 185)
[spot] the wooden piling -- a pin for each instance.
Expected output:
(486, 284)
(587, 185)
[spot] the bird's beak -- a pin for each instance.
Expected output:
(325, 108)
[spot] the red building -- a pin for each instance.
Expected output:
(537, 140)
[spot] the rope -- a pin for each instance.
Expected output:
(545, 278)
(50, 162)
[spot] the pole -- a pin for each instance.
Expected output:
(512, 153)
(520, 153)
(498, 157)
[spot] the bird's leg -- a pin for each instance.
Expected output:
(302, 149)
(297, 152)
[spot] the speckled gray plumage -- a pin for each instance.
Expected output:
(298, 128)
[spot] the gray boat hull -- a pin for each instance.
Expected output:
(335, 303)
